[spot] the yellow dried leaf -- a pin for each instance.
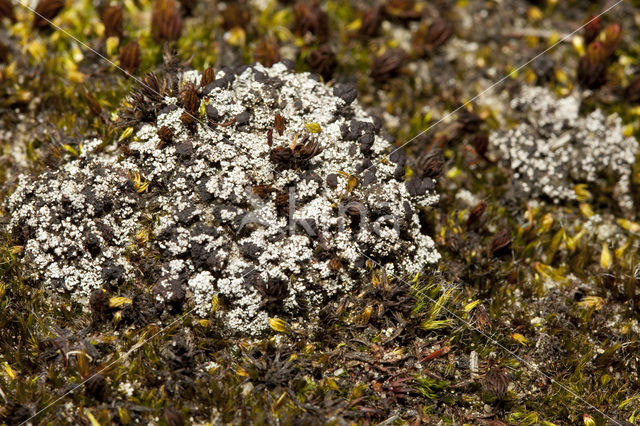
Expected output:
(605, 257)
(592, 302)
(332, 384)
(628, 130)
(366, 314)
(278, 325)
(313, 127)
(547, 222)
(279, 401)
(236, 37)
(215, 303)
(9, 371)
(586, 210)
(111, 46)
(70, 149)
(582, 193)
(534, 14)
(117, 301)
(588, 420)
(241, 372)
(469, 306)
(619, 252)
(352, 182)
(354, 25)
(572, 242)
(520, 338)
(91, 418)
(578, 44)
(628, 225)
(37, 49)
(127, 132)
(125, 418)
(117, 317)
(82, 362)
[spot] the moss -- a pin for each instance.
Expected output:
(549, 300)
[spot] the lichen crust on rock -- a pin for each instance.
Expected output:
(553, 148)
(219, 205)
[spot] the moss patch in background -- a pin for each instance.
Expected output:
(554, 286)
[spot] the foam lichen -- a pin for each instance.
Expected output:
(554, 148)
(266, 222)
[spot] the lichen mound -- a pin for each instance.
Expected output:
(200, 209)
(554, 148)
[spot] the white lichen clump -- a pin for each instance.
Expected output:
(554, 148)
(213, 209)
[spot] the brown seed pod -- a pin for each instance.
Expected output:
(173, 417)
(267, 52)
(335, 264)
(235, 15)
(480, 143)
(190, 100)
(496, 382)
(431, 164)
(371, 20)
(279, 122)
(323, 61)
(92, 102)
(592, 68)
(403, 10)
(96, 386)
(6, 10)
(263, 191)
(387, 65)
(165, 134)
(208, 76)
(46, 11)
(500, 243)
(427, 38)
(475, 213)
(297, 157)
(354, 208)
(592, 27)
(166, 22)
(612, 38)
(112, 18)
(130, 57)
(281, 155)
(152, 87)
(99, 303)
(480, 319)
(282, 202)
(310, 18)
(632, 91)
(4, 53)
(188, 120)
(270, 137)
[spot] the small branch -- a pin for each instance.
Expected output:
(536, 32)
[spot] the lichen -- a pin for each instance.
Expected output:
(554, 148)
(231, 218)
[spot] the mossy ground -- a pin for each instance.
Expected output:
(550, 318)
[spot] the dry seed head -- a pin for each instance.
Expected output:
(112, 18)
(45, 11)
(6, 10)
(166, 22)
